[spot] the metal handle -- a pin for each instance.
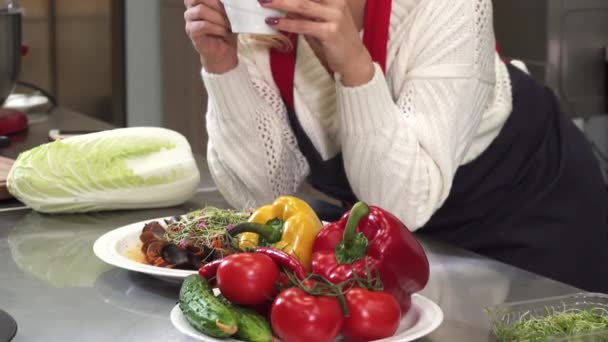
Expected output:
(11, 5)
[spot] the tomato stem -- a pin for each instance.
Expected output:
(322, 287)
(343, 304)
(372, 281)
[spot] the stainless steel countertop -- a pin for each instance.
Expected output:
(57, 290)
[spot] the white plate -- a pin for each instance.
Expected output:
(113, 246)
(422, 319)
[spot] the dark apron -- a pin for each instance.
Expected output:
(535, 198)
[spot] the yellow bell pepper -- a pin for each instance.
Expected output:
(289, 224)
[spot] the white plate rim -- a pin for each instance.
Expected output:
(105, 249)
(419, 300)
(433, 309)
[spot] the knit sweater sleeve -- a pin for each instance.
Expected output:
(252, 153)
(404, 139)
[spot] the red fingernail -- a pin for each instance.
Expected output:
(272, 21)
(264, 1)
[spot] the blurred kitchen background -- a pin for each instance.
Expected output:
(129, 62)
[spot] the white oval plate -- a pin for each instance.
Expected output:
(113, 246)
(423, 318)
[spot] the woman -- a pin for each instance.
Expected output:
(405, 104)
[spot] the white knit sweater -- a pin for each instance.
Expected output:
(444, 98)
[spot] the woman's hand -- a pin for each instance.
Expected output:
(209, 29)
(331, 25)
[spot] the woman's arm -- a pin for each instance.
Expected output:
(402, 152)
(252, 152)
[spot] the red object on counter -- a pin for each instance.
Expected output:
(370, 239)
(12, 121)
(25, 50)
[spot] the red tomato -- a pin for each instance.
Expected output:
(373, 315)
(247, 278)
(299, 317)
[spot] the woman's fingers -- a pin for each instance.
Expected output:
(202, 28)
(320, 30)
(214, 4)
(306, 8)
(205, 13)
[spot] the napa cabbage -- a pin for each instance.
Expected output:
(126, 168)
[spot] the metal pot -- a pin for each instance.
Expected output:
(10, 50)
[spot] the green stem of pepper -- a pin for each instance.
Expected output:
(353, 245)
(272, 231)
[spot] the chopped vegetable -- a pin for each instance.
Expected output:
(205, 227)
(553, 324)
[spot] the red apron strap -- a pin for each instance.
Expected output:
(375, 39)
(283, 65)
(375, 34)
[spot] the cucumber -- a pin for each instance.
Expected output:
(252, 327)
(206, 313)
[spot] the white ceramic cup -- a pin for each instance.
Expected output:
(248, 16)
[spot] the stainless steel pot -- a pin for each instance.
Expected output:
(10, 50)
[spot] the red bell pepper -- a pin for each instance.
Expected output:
(372, 236)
